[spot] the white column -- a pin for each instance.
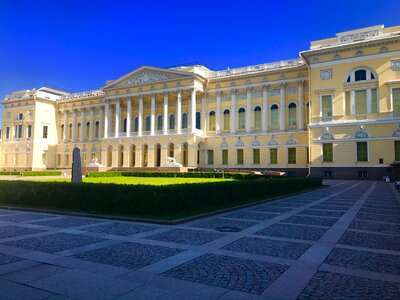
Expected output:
(153, 114)
(204, 114)
(369, 101)
(248, 110)
(140, 116)
(193, 110)
(265, 108)
(218, 114)
(233, 111)
(352, 102)
(106, 115)
(74, 126)
(282, 108)
(300, 113)
(128, 116)
(117, 116)
(165, 117)
(91, 116)
(83, 124)
(179, 113)
(101, 125)
(66, 126)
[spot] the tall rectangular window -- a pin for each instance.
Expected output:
(396, 99)
(7, 132)
(397, 150)
(326, 101)
(210, 157)
(58, 159)
(307, 155)
(224, 156)
(273, 156)
(327, 152)
(348, 103)
(239, 156)
(45, 131)
(44, 158)
(256, 156)
(362, 151)
(20, 130)
(291, 155)
(361, 102)
(374, 101)
(67, 159)
(29, 133)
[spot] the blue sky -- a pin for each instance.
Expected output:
(78, 45)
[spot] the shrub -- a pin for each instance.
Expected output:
(41, 173)
(10, 173)
(146, 199)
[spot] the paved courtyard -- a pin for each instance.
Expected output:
(338, 242)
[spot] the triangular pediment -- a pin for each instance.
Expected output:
(147, 75)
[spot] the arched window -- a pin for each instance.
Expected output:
(211, 121)
(242, 118)
(78, 131)
(87, 130)
(292, 115)
(198, 120)
(160, 122)
(274, 117)
(97, 130)
(227, 119)
(125, 125)
(172, 121)
(136, 125)
(184, 121)
(147, 121)
(257, 117)
(360, 75)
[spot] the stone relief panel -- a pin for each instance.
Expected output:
(326, 74)
(395, 65)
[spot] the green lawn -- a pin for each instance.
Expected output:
(141, 180)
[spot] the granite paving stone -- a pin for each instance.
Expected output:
(395, 212)
(55, 242)
(268, 247)
(8, 259)
(370, 240)
(249, 215)
(68, 222)
(326, 285)
(128, 255)
(297, 219)
(8, 231)
(121, 229)
(323, 213)
(364, 260)
(286, 204)
(376, 217)
(294, 231)
(376, 226)
(17, 291)
(330, 207)
(25, 217)
(34, 273)
(228, 272)
(218, 223)
(270, 209)
(186, 236)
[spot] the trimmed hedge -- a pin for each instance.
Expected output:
(10, 173)
(145, 199)
(228, 175)
(41, 173)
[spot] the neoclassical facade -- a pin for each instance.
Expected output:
(333, 112)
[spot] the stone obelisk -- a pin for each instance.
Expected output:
(76, 166)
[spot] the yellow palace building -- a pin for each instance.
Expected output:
(332, 112)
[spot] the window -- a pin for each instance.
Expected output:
(348, 103)
(274, 117)
(227, 119)
(256, 156)
(273, 156)
(184, 120)
(136, 124)
(19, 131)
(396, 99)
(326, 106)
(327, 152)
(242, 118)
(308, 113)
(87, 130)
(361, 98)
(292, 115)
(362, 151)
(291, 155)
(328, 174)
(147, 122)
(67, 159)
(7, 132)
(97, 129)
(20, 117)
(124, 127)
(363, 174)
(374, 101)
(257, 117)
(172, 122)
(397, 150)
(44, 158)
(239, 156)
(160, 122)
(58, 159)
(210, 157)
(225, 157)
(45, 131)
(198, 120)
(361, 102)
(78, 131)
(211, 121)
(360, 75)
(307, 155)
(62, 130)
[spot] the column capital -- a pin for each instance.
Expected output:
(265, 87)
(153, 94)
(218, 93)
(165, 94)
(301, 82)
(141, 97)
(233, 91)
(248, 89)
(194, 90)
(283, 85)
(178, 92)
